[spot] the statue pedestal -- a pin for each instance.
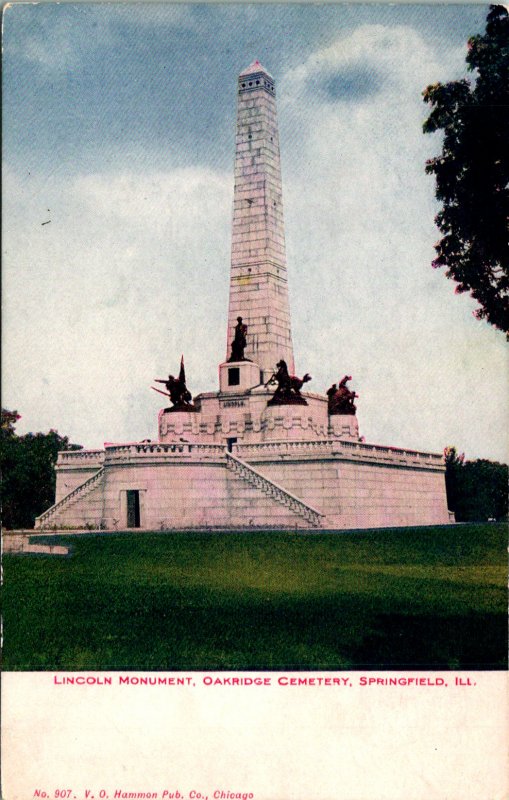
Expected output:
(174, 424)
(238, 376)
(344, 426)
(289, 422)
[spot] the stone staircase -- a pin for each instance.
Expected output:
(274, 490)
(45, 519)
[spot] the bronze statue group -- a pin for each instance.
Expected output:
(340, 397)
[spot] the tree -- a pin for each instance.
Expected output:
(453, 466)
(28, 471)
(472, 173)
(476, 490)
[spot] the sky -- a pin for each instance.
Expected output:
(118, 152)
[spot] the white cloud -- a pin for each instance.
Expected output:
(132, 270)
(64, 38)
(109, 293)
(360, 239)
(398, 57)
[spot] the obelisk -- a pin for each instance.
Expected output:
(258, 282)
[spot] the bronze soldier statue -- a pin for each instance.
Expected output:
(178, 392)
(288, 386)
(341, 398)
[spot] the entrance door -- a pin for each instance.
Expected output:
(230, 443)
(133, 508)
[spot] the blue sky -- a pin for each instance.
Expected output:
(119, 126)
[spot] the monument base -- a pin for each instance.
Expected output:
(343, 426)
(238, 376)
(280, 482)
(247, 416)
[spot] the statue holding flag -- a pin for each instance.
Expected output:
(178, 392)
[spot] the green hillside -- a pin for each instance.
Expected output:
(413, 598)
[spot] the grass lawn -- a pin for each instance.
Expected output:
(412, 598)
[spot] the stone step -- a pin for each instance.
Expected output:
(76, 494)
(273, 490)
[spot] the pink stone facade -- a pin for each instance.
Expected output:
(237, 462)
(289, 484)
(258, 279)
(246, 416)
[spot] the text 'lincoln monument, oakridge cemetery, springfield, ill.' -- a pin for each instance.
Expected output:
(262, 452)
